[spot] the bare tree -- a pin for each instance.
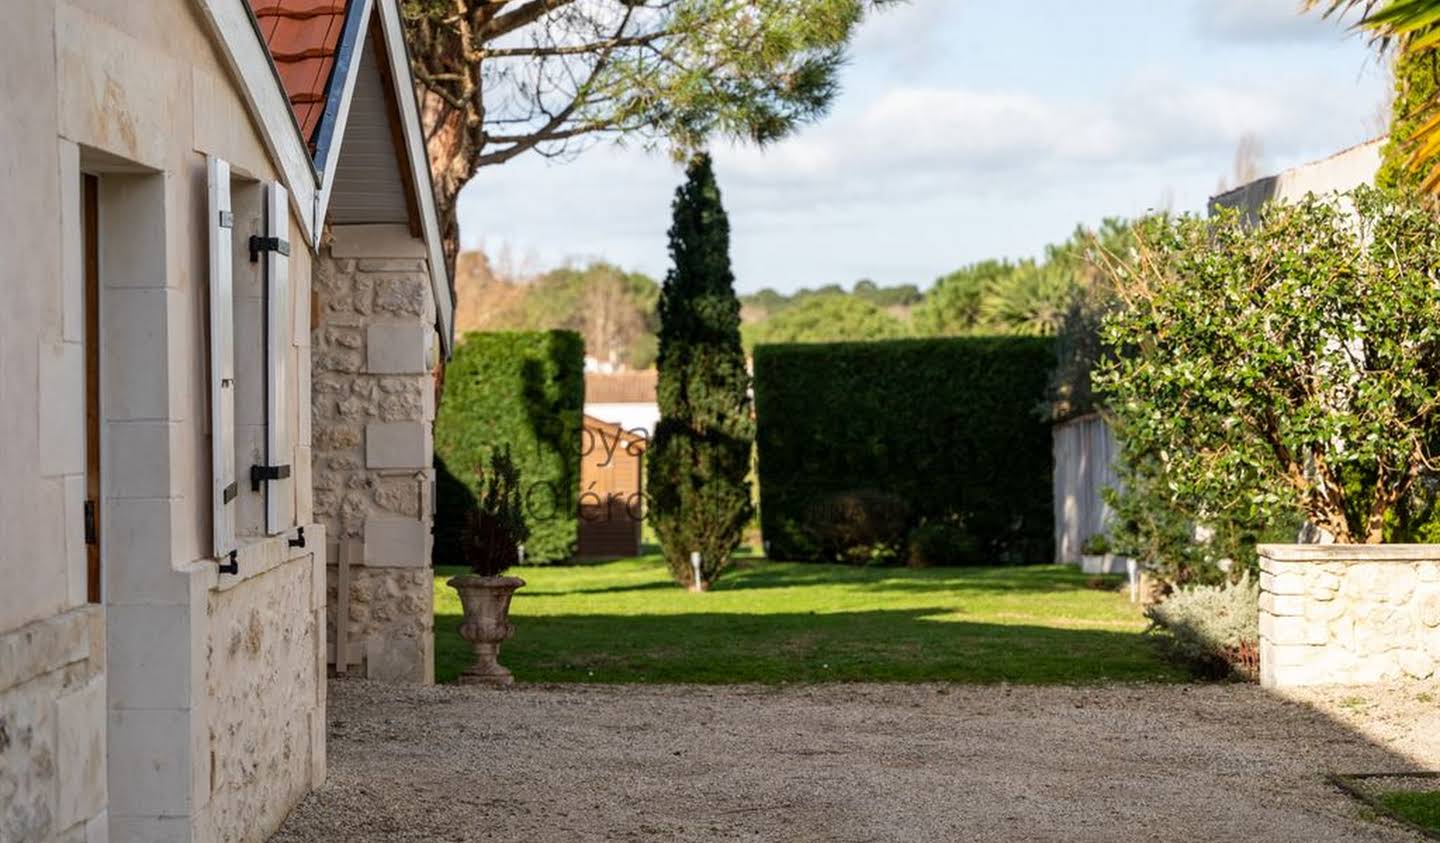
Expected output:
(1247, 165)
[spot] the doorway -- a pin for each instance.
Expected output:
(90, 233)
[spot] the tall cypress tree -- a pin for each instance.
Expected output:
(699, 456)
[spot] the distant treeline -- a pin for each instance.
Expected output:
(614, 310)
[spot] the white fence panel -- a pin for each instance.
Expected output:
(1085, 451)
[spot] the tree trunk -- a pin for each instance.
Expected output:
(447, 144)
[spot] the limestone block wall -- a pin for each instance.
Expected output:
(375, 348)
(265, 693)
(1348, 614)
(52, 728)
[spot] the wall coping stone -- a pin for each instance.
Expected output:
(262, 556)
(1349, 552)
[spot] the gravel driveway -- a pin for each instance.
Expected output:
(858, 763)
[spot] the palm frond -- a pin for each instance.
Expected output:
(1414, 27)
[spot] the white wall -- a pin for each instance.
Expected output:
(632, 417)
(1345, 170)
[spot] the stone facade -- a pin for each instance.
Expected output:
(107, 726)
(265, 692)
(375, 349)
(1348, 614)
(52, 729)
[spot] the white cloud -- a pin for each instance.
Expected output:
(936, 140)
(929, 162)
(1262, 21)
(908, 37)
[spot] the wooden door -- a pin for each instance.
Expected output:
(90, 199)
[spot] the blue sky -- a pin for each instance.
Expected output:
(969, 130)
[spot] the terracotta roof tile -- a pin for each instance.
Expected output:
(303, 36)
(620, 387)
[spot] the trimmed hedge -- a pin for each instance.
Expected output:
(946, 427)
(524, 391)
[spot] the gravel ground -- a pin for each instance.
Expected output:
(858, 763)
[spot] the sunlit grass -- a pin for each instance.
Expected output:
(772, 622)
(1419, 807)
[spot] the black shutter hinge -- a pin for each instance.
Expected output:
(299, 540)
(260, 473)
(232, 566)
(90, 531)
(230, 492)
(267, 244)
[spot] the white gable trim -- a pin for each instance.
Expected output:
(419, 168)
(249, 59)
(342, 115)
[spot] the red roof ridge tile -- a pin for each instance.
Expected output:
(307, 53)
(280, 9)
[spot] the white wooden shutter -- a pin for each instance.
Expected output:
(279, 322)
(222, 358)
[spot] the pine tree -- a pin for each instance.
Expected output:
(699, 456)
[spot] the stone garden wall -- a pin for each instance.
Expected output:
(374, 407)
(1348, 614)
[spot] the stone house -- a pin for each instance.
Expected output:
(202, 197)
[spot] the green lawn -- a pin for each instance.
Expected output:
(773, 622)
(1419, 807)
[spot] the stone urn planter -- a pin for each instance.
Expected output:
(486, 601)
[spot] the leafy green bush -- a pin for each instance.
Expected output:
(521, 392)
(949, 426)
(859, 527)
(942, 543)
(1212, 629)
(1287, 365)
(1177, 539)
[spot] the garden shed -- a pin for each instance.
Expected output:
(612, 471)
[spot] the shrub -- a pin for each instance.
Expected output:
(1212, 629)
(942, 543)
(1287, 366)
(1096, 545)
(858, 527)
(495, 529)
(1176, 539)
(523, 393)
(947, 425)
(699, 458)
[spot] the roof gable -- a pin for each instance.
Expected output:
(316, 50)
(371, 182)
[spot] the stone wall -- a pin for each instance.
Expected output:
(265, 694)
(374, 406)
(52, 729)
(1348, 614)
